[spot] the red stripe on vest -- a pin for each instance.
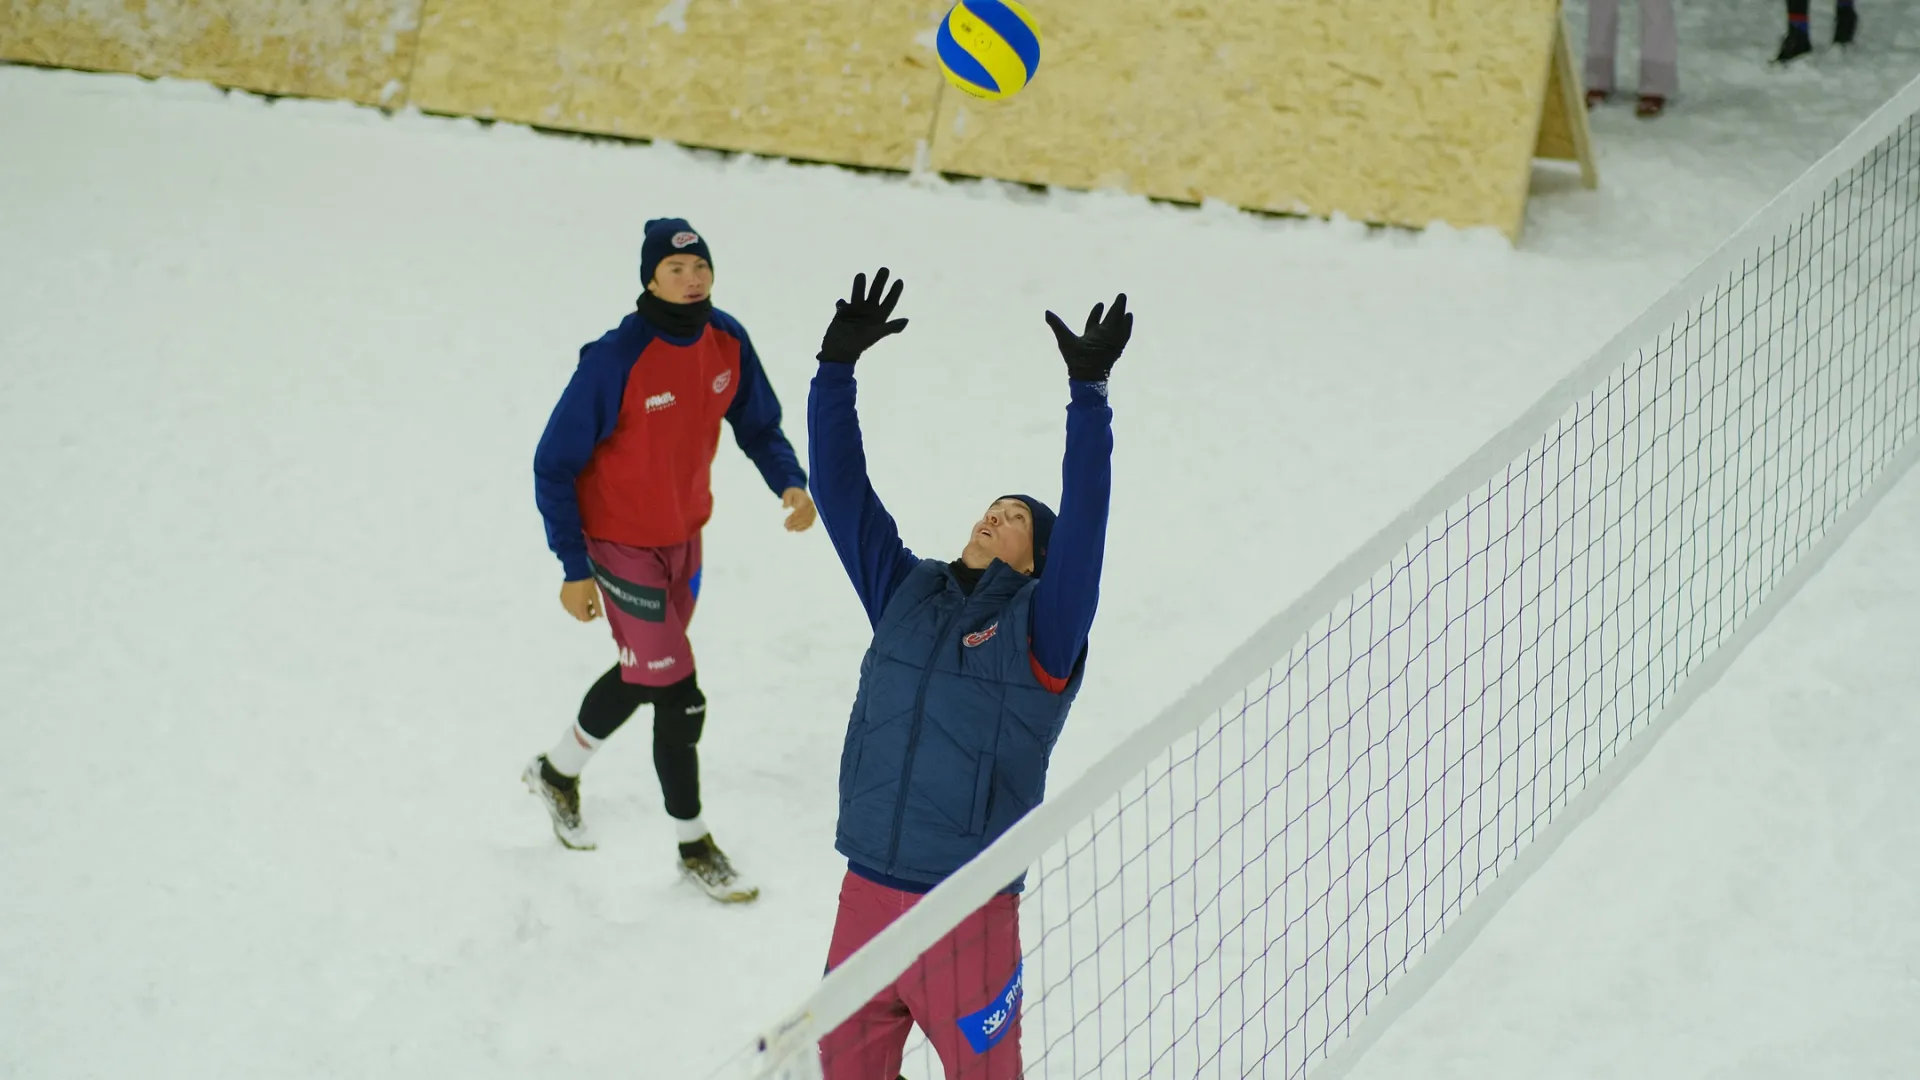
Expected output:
(1053, 685)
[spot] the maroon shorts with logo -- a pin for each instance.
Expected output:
(648, 595)
(964, 992)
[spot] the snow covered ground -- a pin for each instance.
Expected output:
(279, 627)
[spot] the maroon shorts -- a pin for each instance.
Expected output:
(648, 595)
(964, 992)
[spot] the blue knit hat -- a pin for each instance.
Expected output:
(669, 236)
(1042, 528)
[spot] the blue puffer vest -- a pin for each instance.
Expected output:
(951, 732)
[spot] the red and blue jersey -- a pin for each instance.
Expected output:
(627, 454)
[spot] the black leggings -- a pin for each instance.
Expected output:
(679, 714)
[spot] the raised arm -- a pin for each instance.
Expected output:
(1069, 590)
(863, 533)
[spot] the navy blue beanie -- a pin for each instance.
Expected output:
(669, 236)
(1042, 528)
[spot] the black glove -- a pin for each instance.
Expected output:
(1092, 355)
(862, 320)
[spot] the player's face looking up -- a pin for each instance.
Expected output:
(1004, 532)
(682, 279)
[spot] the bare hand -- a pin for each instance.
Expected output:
(798, 501)
(581, 599)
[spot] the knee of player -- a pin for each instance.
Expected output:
(679, 713)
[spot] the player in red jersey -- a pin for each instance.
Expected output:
(622, 479)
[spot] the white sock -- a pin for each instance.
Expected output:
(571, 754)
(689, 831)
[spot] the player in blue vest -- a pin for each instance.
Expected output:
(963, 692)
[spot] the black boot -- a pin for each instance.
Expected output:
(1795, 45)
(1845, 22)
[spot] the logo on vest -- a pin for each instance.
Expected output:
(660, 401)
(660, 665)
(980, 638)
(722, 381)
(685, 239)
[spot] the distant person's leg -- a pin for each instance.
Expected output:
(1659, 56)
(1603, 26)
(1845, 22)
(1796, 44)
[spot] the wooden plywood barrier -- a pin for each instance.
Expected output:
(1564, 135)
(849, 81)
(357, 50)
(1392, 111)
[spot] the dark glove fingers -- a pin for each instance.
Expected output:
(1093, 320)
(1061, 334)
(886, 308)
(1116, 328)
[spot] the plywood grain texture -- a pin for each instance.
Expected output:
(357, 50)
(850, 81)
(1564, 134)
(1400, 112)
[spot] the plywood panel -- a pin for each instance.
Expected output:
(1399, 111)
(852, 81)
(1556, 132)
(359, 50)
(1393, 111)
(1564, 134)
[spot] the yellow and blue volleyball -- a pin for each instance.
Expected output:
(989, 48)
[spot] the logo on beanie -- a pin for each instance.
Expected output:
(685, 239)
(722, 381)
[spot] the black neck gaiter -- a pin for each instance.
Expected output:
(676, 320)
(966, 575)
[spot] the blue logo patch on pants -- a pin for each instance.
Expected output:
(985, 1028)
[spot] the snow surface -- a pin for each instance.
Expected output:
(280, 629)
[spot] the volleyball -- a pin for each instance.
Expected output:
(989, 48)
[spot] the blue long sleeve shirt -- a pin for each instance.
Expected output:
(868, 541)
